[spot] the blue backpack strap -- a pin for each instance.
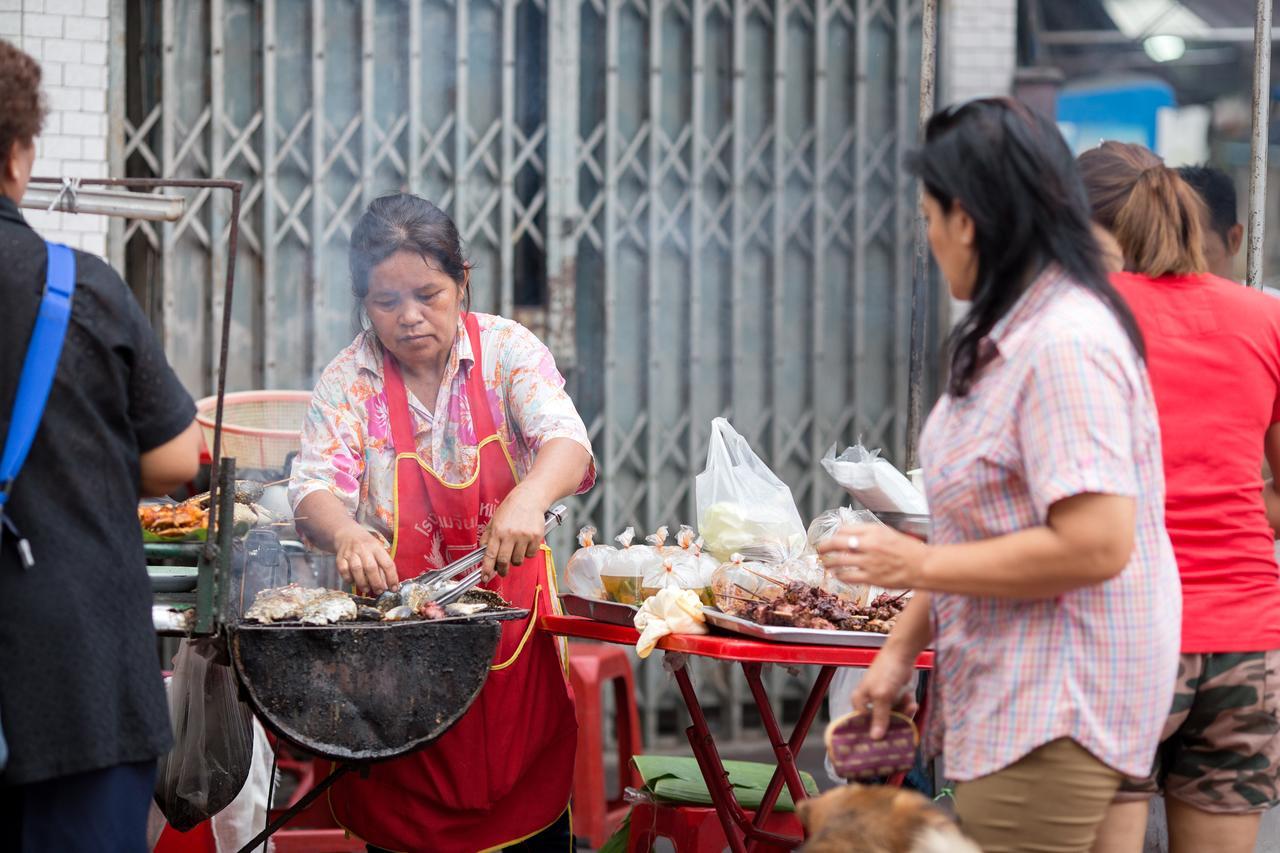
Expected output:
(38, 369)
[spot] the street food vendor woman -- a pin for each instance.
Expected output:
(440, 429)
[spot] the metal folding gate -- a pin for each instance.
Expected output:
(699, 204)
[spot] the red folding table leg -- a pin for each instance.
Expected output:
(717, 778)
(786, 751)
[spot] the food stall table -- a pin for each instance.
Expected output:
(741, 832)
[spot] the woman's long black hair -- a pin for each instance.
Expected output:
(1012, 172)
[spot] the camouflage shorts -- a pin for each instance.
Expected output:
(1221, 747)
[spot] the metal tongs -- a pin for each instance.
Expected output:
(554, 518)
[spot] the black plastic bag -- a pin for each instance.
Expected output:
(212, 738)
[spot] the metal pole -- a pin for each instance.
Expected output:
(920, 266)
(1258, 146)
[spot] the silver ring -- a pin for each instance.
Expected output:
(853, 543)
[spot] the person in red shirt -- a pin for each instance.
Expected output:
(1213, 354)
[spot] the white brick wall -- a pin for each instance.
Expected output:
(978, 50)
(70, 39)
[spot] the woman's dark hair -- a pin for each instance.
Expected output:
(406, 223)
(21, 107)
(1155, 216)
(1012, 173)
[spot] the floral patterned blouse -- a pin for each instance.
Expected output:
(346, 440)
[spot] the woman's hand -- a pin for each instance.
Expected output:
(874, 554)
(363, 560)
(884, 689)
(515, 532)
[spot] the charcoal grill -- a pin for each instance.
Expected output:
(365, 691)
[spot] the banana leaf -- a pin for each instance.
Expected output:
(677, 779)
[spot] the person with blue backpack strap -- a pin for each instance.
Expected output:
(92, 418)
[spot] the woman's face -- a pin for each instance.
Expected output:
(951, 238)
(414, 308)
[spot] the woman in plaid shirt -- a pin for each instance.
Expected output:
(1049, 589)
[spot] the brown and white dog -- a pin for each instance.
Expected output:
(876, 819)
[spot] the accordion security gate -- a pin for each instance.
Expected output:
(699, 204)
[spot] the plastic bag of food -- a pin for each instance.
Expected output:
(826, 524)
(625, 569)
(806, 569)
(740, 581)
(690, 543)
(742, 505)
(658, 542)
(586, 566)
(873, 481)
(676, 571)
(212, 738)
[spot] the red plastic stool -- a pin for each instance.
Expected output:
(596, 815)
(696, 829)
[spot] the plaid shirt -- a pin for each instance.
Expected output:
(1062, 407)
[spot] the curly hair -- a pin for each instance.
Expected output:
(22, 108)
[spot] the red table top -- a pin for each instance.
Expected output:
(720, 647)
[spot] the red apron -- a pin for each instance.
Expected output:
(505, 770)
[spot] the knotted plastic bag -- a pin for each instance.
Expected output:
(625, 569)
(585, 567)
(743, 508)
(212, 738)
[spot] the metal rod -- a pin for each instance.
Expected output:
(902, 233)
(270, 324)
(1258, 143)
(297, 808)
(462, 122)
(818, 282)
(737, 342)
(861, 178)
(506, 175)
(612, 104)
(168, 146)
(217, 166)
(414, 177)
(153, 208)
(697, 119)
(653, 278)
(1242, 35)
(367, 117)
(117, 110)
(233, 242)
(318, 297)
(920, 266)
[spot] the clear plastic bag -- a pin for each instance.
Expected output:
(691, 544)
(742, 506)
(212, 734)
(625, 569)
(826, 524)
(873, 481)
(676, 571)
(741, 581)
(583, 574)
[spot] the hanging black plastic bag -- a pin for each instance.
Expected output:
(212, 737)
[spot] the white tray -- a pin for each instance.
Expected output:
(807, 636)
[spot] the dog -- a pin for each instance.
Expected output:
(876, 819)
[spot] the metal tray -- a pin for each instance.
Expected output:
(905, 522)
(602, 611)
(806, 636)
(173, 578)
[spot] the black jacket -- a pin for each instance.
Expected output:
(80, 685)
